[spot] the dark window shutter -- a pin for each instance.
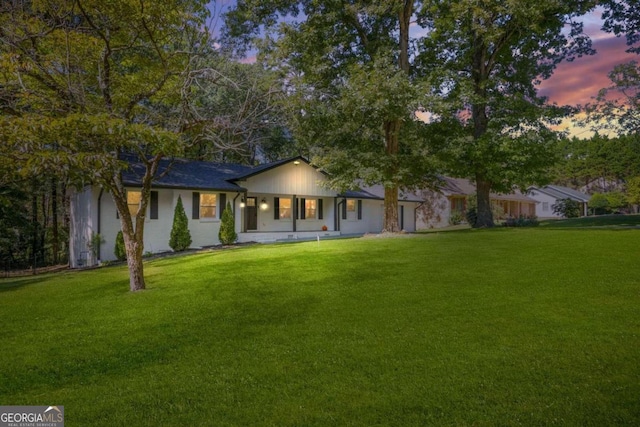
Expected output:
(401, 217)
(303, 208)
(153, 208)
(359, 209)
(276, 208)
(223, 204)
(195, 206)
(344, 209)
(320, 214)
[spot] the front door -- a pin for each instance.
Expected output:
(251, 214)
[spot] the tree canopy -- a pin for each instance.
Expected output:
(486, 58)
(349, 70)
(85, 81)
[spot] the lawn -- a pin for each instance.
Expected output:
(475, 327)
(594, 221)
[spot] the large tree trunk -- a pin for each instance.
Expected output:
(392, 129)
(390, 220)
(133, 238)
(483, 191)
(480, 74)
(134, 260)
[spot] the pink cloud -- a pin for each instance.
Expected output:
(577, 82)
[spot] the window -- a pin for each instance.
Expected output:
(545, 206)
(351, 205)
(284, 210)
(310, 207)
(207, 205)
(457, 205)
(133, 201)
(153, 205)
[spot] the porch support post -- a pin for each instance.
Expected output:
(294, 214)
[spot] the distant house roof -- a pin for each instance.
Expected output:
(562, 193)
(376, 192)
(463, 187)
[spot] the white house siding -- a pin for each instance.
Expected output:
(267, 222)
(372, 217)
(434, 212)
(544, 200)
(289, 179)
(157, 232)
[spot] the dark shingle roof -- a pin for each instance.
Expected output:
(189, 174)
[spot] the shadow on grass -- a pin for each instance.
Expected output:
(97, 349)
(14, 284)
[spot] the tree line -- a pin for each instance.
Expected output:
(393, 93)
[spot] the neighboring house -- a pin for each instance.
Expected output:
(281, 200)
(549, 195)
(451, 198)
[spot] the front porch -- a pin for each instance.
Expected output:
(276, 236)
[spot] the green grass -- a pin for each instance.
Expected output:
(489, 327)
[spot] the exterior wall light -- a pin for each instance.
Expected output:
(263, 204)
(242, 203)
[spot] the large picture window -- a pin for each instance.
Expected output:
(207, 205)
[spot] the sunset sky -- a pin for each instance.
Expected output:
(573, 83)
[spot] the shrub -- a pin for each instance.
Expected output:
(120, 251)
(227, 234)
(599, 203)
(94, 244)
(568, 208)
(180, 235)
(455, 218)
(633, 191)
(617, 200)
(522, 221)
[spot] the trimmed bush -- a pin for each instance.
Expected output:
(120, 251)
(180, 235)
(568, 208)
(227, 234)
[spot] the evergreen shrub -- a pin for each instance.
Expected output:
(180, 235)
(227, 234)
